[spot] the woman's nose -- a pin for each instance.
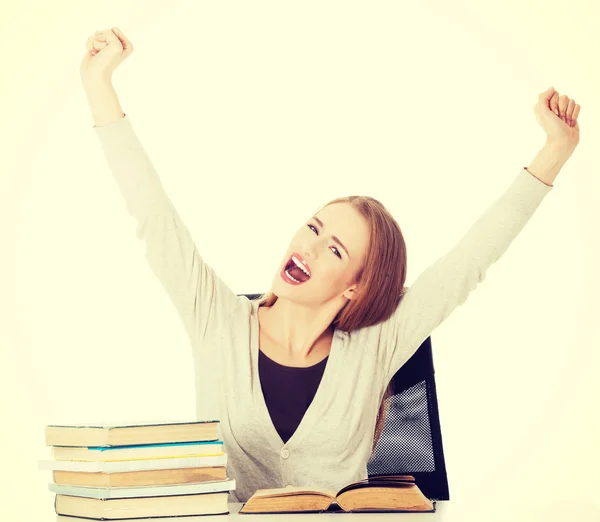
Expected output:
(310, 251)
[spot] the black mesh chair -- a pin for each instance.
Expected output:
(411, 439)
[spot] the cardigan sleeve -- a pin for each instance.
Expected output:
(201, 298)
(446, 284)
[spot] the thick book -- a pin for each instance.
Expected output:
(146, 491)
(134, 465)
(140, 451)
(120, 435)
(124, 508)
(391, 493)
(152, 477)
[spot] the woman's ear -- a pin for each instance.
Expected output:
(351, 292)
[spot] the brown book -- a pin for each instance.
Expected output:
(154, 477)
(139, 507)
(124, 435)
(391, 493)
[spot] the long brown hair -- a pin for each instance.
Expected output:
(381, 279)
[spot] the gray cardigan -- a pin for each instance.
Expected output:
(333, 442)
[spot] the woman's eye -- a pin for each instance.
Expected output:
(314, 229)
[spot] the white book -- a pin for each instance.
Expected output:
(133, 465)
(144, 491)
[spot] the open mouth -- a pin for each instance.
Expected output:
(296, 270)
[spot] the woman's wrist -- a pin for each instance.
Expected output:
(549, 161)
(103, 101)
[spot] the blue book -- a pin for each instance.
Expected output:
(162, 450)
(108, 448)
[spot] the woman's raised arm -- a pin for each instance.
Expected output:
(447, 283)
(202, 299)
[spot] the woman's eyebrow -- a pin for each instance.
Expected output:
(335, 238)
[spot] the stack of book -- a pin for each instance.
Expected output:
(103, 472)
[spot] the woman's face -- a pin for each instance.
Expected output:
(331, 247)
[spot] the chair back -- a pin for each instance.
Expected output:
(411, 439)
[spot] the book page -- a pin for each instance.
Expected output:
(293, 490)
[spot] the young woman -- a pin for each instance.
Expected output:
(298, 377)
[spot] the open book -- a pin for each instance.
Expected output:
(389, 493)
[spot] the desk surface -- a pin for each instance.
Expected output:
(441, 508)
(443, 513)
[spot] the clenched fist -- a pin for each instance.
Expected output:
(105, 51)
(557, 114)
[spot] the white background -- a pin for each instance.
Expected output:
(255, 114)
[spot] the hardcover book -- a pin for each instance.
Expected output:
(390, 493)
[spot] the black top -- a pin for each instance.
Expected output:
(288, 392)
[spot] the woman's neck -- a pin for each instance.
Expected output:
(297, 329)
